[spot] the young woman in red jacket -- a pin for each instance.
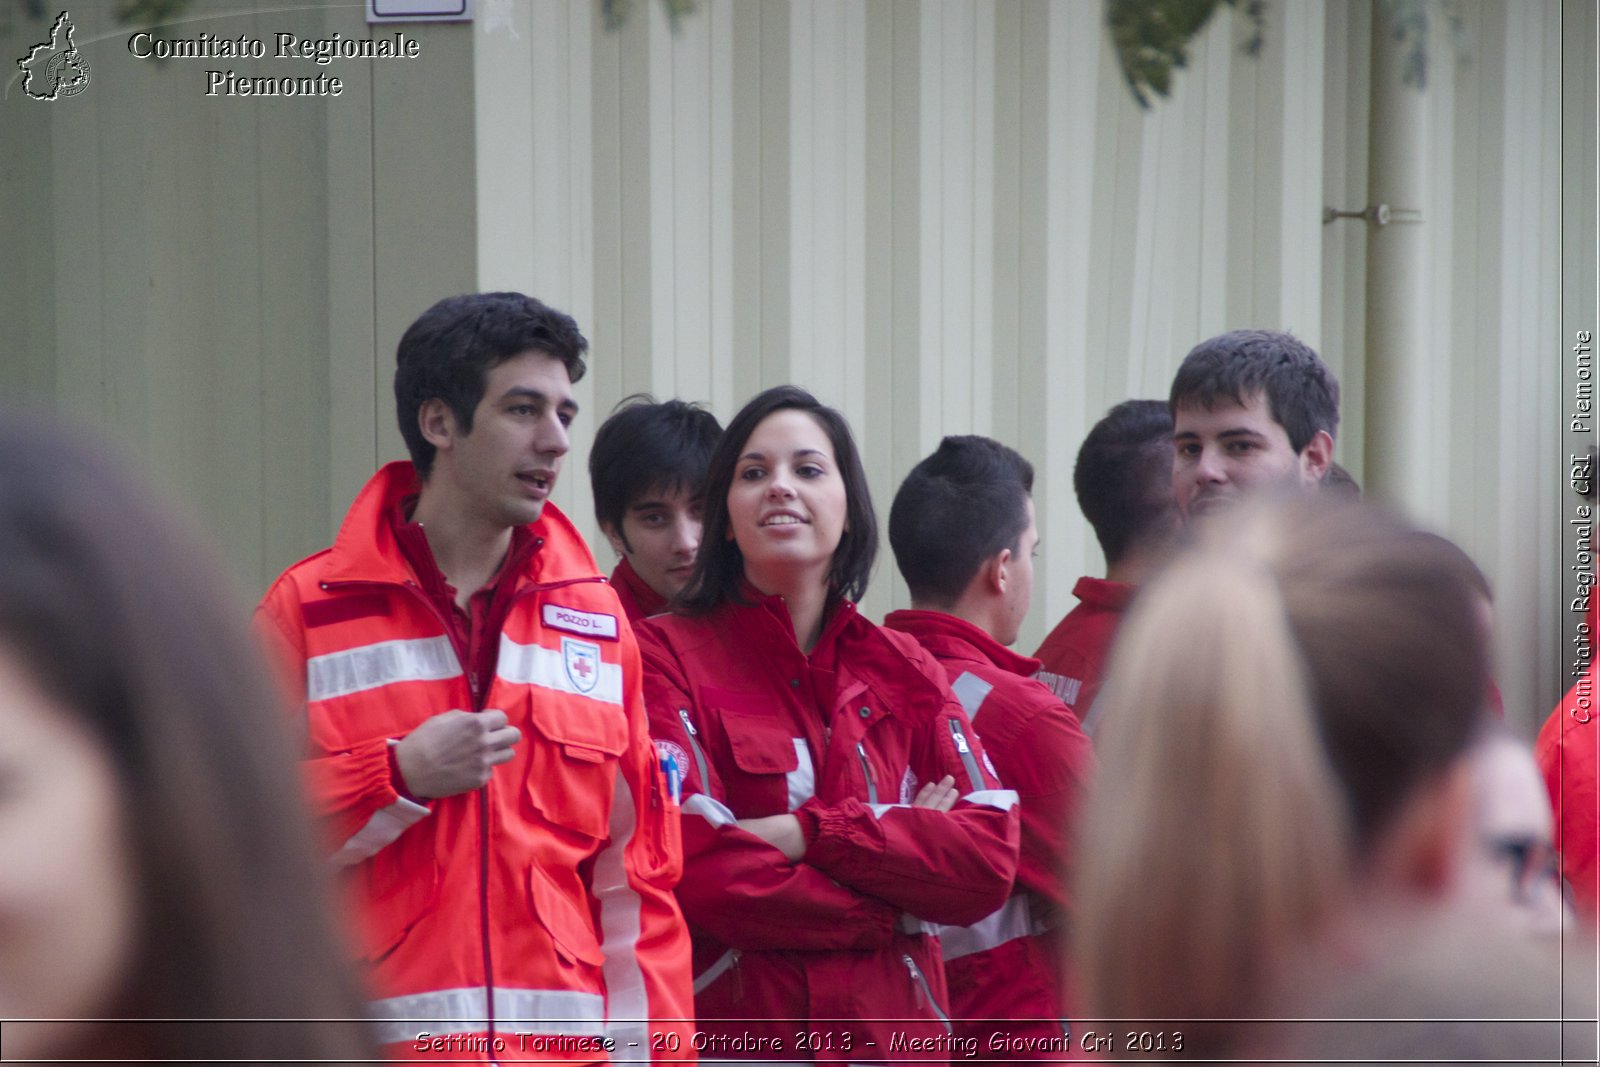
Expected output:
(835, 798)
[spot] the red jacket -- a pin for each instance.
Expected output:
(842, 738)
(639, 601)
(540, 904)
(1568, 753)
(1074, 655)
(1009, 966)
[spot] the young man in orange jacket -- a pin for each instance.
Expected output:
(475, 730)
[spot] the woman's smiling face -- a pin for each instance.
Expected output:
(787, 502)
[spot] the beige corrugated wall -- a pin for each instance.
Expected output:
(943, 216)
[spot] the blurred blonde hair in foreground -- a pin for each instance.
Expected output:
(1286, 722)
(159, 867)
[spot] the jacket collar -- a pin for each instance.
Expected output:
(841, 615)
(948, 636)
(630, 585)
(366, 549)
(1100, 593)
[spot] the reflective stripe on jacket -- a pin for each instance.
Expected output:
(540, 904)
(1005, 972)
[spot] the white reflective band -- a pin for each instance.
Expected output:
(628, 1008)
(465, 1011)
(1066, 689)
(910, 924)
(338, 674)
(710, 809)
(972, 691)
(549, 668)
(803, 779)
(385, 825)
(1089, 718)
(722, 966)
(1011, 921)
(1004, 799)
(880, 810)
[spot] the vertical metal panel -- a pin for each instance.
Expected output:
(355, 407)
(745, 199)
(1344, 243)
(1075, 82)
(722, 357)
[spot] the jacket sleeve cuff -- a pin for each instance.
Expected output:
(397, 781)
(810, 824)
(388, 821)
(840, 842)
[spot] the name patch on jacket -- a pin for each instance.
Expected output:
(587, 623)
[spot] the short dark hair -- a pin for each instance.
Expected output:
(146, 652)
(720, 566)
(646, 447)
(956, 509)
(448, 352)
(1302, 393)
(1123, 477)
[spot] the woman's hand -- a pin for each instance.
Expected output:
(940, 796)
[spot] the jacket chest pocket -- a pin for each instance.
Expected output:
(771, 770)
(573, 749)
(873, 764)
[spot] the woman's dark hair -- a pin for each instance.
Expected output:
(720, 566)
(120, 616)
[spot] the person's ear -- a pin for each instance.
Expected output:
(437, 423)
(999, 571)
(619, 544)
(1317, 456)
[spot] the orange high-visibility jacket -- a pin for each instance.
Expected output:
(529, 919)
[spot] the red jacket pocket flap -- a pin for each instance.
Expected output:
(761, 748)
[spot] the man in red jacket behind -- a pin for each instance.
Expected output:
(1123, 480)
(474, 723)
(963, 533)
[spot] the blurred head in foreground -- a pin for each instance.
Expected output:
(1291, 702)
(157, 862)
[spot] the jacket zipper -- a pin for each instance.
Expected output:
(960, 738)
(922, 984)
(866, 769)
(699, 756)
